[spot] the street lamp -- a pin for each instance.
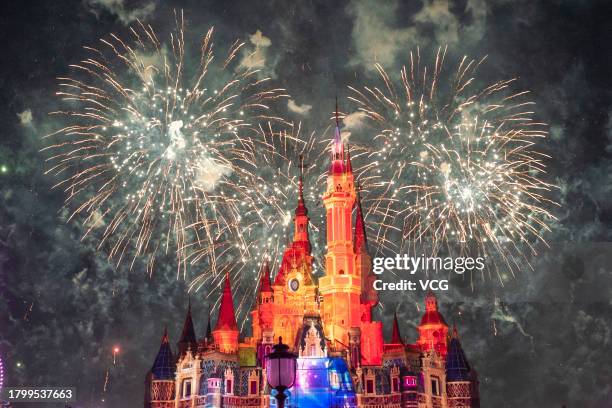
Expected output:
(280, 370)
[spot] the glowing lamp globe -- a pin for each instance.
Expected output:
(280, 370)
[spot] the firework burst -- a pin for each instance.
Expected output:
(159, 143)
(264, 216)
(463, 171)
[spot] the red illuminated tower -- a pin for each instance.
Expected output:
(433, 330)
(263, 314)
(294, 287)
(341, 285)
(300, 235)
(226, 330)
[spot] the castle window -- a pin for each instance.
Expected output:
(335, 380)
(228, 386)
(186, 388)
(253, 387)
(369, 386)
(435, 386)
(395, 384)
(341, 272)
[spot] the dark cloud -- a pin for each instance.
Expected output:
(538, 341)
(124, 11)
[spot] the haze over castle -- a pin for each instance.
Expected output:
(344, 360)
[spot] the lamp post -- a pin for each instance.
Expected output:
(280, 370)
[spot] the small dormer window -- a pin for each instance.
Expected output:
(435, 386)
(395, 384)
(369, 386)
(186, 388)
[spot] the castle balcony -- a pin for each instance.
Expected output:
(376, 401)
(242, 402)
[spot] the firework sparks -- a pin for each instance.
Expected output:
(258, 226)
(155, 147)
(116, 351)
(461, 163)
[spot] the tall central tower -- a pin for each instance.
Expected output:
(341, 286)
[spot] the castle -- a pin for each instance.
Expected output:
(344, 360)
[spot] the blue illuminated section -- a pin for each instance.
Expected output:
(322, 383)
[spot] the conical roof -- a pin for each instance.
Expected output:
(349, 165)
(188, 335)
(396, 337)
(227, 316)
(457, 366)
(163, 366)
(301, 207)
(264, 278)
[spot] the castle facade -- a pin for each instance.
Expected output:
(344, 360)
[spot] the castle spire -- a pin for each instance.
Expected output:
(264, 278)
(300, 237)
(226, 331)
(360, 239)
(301, 207)
(188, 336)
(163, 366)
(396, 337)
(457, 366)
(349, 166)
(337, 148)
(337, 116)
(209, 336)
(227, 317)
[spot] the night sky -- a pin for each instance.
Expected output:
(541, 340)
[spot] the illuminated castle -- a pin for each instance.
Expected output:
(344, 360)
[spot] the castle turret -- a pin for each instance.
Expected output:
(262, 316)
(188, 337)
(433, 330)
(294, 289)
(461, 380)
(226, 331)
(341, 285)
(159, 384)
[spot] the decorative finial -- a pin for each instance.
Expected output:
(337, 116)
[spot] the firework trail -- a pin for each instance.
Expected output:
(457, 165)
(265, 219)
(159, 143)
